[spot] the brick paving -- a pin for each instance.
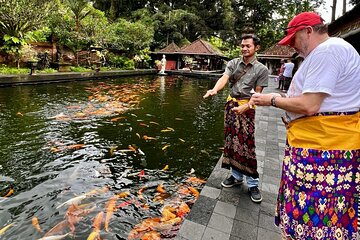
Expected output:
(228, 213)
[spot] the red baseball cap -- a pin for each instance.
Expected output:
(299, 22)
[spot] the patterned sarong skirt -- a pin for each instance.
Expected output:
(320, 183)
(239, 146)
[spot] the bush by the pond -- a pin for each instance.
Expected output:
(120, 62)
(12, 70)
(80, 69)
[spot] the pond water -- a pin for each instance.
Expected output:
(116, 158)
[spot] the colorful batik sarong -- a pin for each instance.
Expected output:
(320, 183)
(239, 146)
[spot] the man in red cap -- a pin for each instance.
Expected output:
(320, 184)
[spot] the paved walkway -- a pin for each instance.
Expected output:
(228, 213)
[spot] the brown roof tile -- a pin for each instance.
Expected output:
(171, 48)
(201, 47)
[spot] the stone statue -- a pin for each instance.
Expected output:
(163, 65)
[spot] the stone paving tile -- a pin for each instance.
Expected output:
(221, 223)
(202, 210)
(267, 222)
(210, 192)
(244, 230)
(213, 234)
(191, 231)
(225, 209)
(264, 234)
(247, 215)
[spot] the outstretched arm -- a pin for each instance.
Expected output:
(220, 84)
(307, 103)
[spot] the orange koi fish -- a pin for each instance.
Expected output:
(144, 125)
(97, 221)
(194, 191)
(110, 208)
(115, 119)
(153, 235)
(75, 146)
(19, 114)
(166, 168)
(124, 204)
(35, 223)
(57, 229)
(148, 138)
(9, 193)
(183, 210)
(195, 180)
(160, 189)
(123, 194)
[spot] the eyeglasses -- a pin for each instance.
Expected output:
(286, 29)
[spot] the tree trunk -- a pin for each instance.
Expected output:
(344, 7)
(333, 10)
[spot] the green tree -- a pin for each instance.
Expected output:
(19, 17)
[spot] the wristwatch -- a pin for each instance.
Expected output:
(273, 103)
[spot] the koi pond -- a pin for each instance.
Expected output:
(113, 159)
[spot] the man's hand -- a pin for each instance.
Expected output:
(211, 92)
(240, 109)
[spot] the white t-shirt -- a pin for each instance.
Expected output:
(333, 67)
(288, 69)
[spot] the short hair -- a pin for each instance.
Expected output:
(253, 37)
(320, 28)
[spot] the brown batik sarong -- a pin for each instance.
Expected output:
(239, 146)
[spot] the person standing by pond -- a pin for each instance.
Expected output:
(281, 77)
(245, 75)
(288, 73)
(320, 183)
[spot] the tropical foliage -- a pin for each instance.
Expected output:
(134, 28)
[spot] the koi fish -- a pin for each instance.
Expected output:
(115, 119)
(35, 223)
(148, 138)
(75, 146)
(74, 200)
(142, 174)
(97, 221)
(194, 191)
(57, 228)
(19, 114)
(144, 125)
(160, 189)
(152, 122)
(110, 208)
(165, 147)
(166, 168)
(195, 180)
(9, 193)
(94, 235)
(4, 229)
(124, 204)
(182, 140)
(179, 119)
(123, 194)
(166, 130)
(55, 237)
(138, 135)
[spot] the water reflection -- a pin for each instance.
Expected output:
(70, 141)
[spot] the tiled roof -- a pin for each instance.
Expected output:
(346, 25)
(279, 50)
(201, 47)
(171, 48)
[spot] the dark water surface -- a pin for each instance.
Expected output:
(62, 140)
